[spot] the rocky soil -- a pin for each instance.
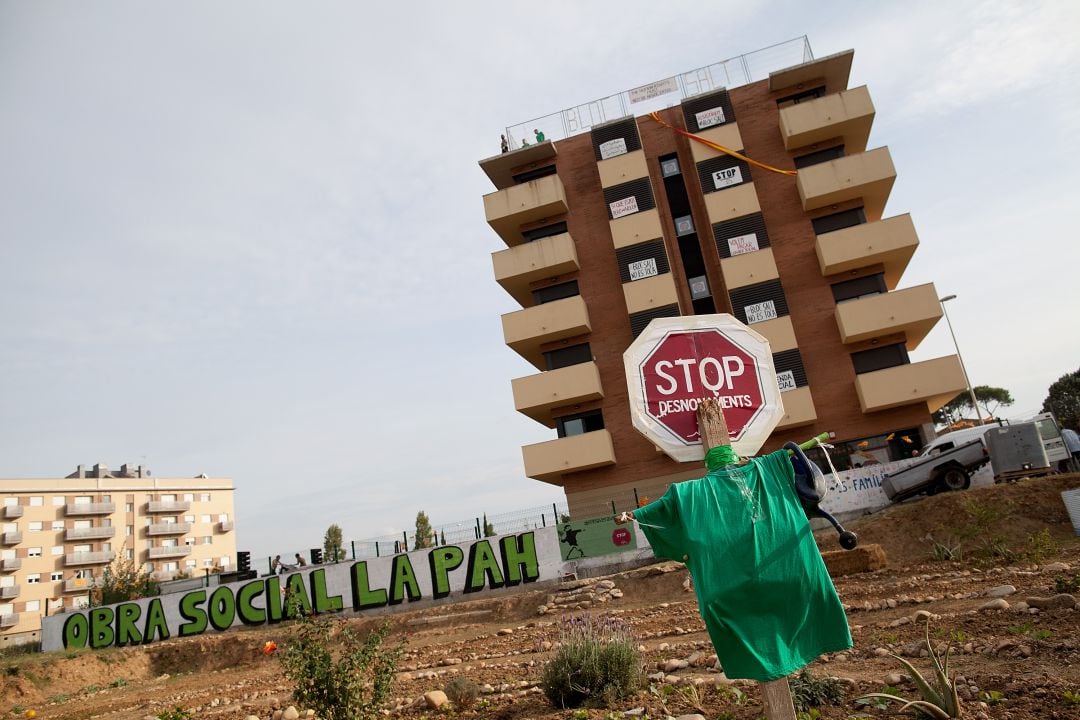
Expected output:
(1007, 606)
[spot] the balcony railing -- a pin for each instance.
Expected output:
(912, 311)
(168, 529)
(9, 620)
(847, 115)
(798, 408)
(89, 558)
(170, 552)
(548, 461)
(508, 210)
(78, 585)
(10, 592)
(934, 382)
(91, 533)
(890, 243)
(91, 508)
(526, 330)
(868, 176)
(517, 267)
(168, 506)
(10, 564)
(225, 526)
(11, 538)
(11, 512)
(536, 395)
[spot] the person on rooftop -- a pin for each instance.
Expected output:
(539, 136)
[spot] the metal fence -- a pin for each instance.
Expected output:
(730, 73)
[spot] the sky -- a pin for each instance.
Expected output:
(247, 239)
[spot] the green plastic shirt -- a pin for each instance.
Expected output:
(762, 587)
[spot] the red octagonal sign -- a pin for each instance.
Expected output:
(678, 361)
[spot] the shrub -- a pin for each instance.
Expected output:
(596, 663)
(1070, 584)
(809, 692)
(462, 692)
(338, 674)
(1041, 546)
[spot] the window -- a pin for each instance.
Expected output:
(57, 576)
(129, 554)
(204, 519)
(168, 498)
(225, 560)
(859, 287)
(580, 423)
(564, 357)
(11, 502)
(534, 174)
(33, 552)
(127, 507)
(800, 97)
(129, 530)
(207, 540)
(555, 292)
(106, 498)
(189, 518)
(57, 524)
(37, 500)
(11, 527)
(168, 542)
(56, 550)
(167, 520)
(36, 526)
(191, 564)
(148, 567)
(86, 547)
(33, 579)
(83, 524)
(106, 547)
(84, 499)
(545, 231)
(169, 567)
(149, 544)
(223, 517)
(819, 156)
(760, 302)
(838, 221)
(189, 541)
(208, 562)
(58, 500)
(204, 497)
(189, 497)
(879, 358)
(33, 605)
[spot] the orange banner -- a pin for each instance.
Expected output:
(721, 148)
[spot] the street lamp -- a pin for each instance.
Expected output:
(967, 380)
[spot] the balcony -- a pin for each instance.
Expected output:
(749, 268)
(725, 135)
(167, 506)
(501, 169)
(913, 311)
(10, 592)
(525, 331)
(507, 210)
(10, 564)
(170, 552)
(846, 115)
(90, 533)
(11, 538)
(890, 243)
(548, 461)
(89, 558)
(624, 168)
(518, 267)
(832, 70)
(12, 512)
(79, 585)
(731, 203)
(869, 176)
(99, 508)
(779, 332)
(9, 620)
(934, 382)
(225, 526)
(537, 395)
(798, 408)
(650, 293)
(637, 228)
(168, 529)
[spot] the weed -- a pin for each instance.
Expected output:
(596, 663)
(808, 692)
(177, 713)
(1070, 584)
(890, 638)
(726, 716)
(1071, 698)
(1022, 629)
(90, 689)
(948, 551)
(19, 709)
(937, 701)
(662, 693)
(57, 699)
(580, 715)
(1042, 634)
(1041, 546)
(877, 700)
(811, 714)
(959, 637)
(991, 697)
(693, 697)
(11, 670)
(118, 682)
(462, 692)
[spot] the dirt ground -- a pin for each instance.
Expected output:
(1014, 663)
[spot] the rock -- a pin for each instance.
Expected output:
(657, 677)
(881, 652)
(636, 712)
(605, 584)
(542, 610)
(890, 603)
(1064, 600)
(1056, 567)
(616, 593)
(1020, 606)
(998, 604)
(435, 699)
(1004, 644)
(900, 621)
(276, 715)
(663, 647)
(894, 679)
(505, 631)
(1000, 591)
(695, 716)
(253, 717)
(545, 645)
(290, 713)
(670, 666)
(671, 679)
(1025, 651)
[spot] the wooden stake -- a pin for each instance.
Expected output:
(714, 432)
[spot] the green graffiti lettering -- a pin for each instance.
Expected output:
(157, 627)
(519, 558)
(249, 614)
(442, 561)
(101, 632)
(126, 632)
(222, 607)
(295, 588)
(323, 602)
(274, 609)
(76, 629)
(403, 581)
(483, 565)
(191, 610)
(364, 598)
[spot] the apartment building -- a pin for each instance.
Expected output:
(59, 535)
(622, 220)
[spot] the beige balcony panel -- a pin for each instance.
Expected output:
(90, 533)
(507, 210)
(501, 168)
(833, 69)
(89, 558)
(536, 395)
(96, 508)
(9, 620)
(11, 538)
(169, 552)
(934, 382)
(167, 506)
(168, 529)
(622, 168)
(913, 311)
(10, 564)
(526, 330)
(650, 293)
(734, 202)
(779, 332)
(890, 243)
(798, 408)
(726, 135)
(11, 512)
(637, 228)
(517, 267)
(847, 115)
(77, 585)
(749, 268)
(10, 592)
(548, 461)
(225, 526)
(869, 175)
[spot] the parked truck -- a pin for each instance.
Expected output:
(945, 464)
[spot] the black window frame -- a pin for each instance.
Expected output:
(568, 356)
(832, 222)
(558, 291)
(874, 359)
(589, 420)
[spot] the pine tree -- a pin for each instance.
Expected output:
(423, 531)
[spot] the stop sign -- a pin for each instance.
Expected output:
(675, 362)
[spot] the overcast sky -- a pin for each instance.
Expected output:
(247, 238)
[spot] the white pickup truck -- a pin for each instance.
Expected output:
(944, 464)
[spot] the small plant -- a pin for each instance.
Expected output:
(118, 682)
(462, 692)
(1071, 698)
(693, 697)
(948, 551)
(890, 638)
(596, 663)
(177, 713)
(1022, 629)
(580, 715)
(1041, 546)
(90, 689)
(811, 714)
(959, 637)
(808, 692)
(939, 701)
(991, 697)
(1070, 584)
(58, 699)
(662, 693)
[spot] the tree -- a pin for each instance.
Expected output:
(986, 395)
(333, 544)
(123, 580)
(989, 399)
(489, 529)
(423, 531)
(1063, 399)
